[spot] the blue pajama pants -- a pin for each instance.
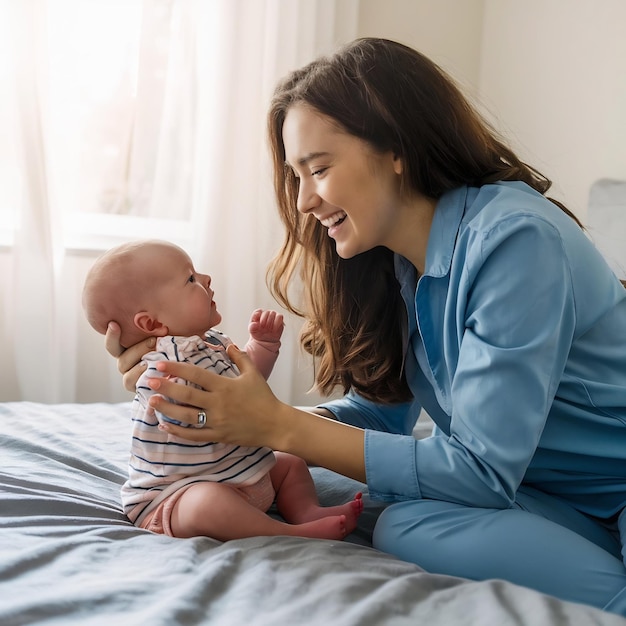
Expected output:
(542, 543)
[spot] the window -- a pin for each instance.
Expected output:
(10, 182)
(114, 84)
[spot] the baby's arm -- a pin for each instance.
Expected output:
(266, 329)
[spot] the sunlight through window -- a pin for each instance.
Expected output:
(9, 169)
(114, 84)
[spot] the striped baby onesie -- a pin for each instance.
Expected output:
(160, 464)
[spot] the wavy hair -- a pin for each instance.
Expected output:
(396, 99)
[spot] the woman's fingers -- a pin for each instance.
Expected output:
(130, 358)
(183, 397)
(206, 379)
(183, 402)
(192, 434)
(241, 359)
(237, 409)
(112, 340)
(130, 378)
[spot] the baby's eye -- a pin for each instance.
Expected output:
(192, 278)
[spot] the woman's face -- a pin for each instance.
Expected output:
(353, 190)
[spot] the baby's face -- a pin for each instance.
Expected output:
(185, 298)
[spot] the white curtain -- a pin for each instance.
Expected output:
(189, 162)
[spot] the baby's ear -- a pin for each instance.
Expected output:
(149, 325)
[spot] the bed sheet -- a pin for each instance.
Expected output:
(69, 556)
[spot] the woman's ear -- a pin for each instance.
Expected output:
(149, 325)
(398, 165)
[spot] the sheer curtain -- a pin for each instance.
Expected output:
(164, 135)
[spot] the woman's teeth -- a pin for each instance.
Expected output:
(334, 219)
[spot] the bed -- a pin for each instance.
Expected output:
(69, 556)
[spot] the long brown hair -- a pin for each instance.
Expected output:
(397, 100)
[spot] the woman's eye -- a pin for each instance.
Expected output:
(318, 172)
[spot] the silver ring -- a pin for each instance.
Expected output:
(201, 419)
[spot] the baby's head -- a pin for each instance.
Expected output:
(150, 288)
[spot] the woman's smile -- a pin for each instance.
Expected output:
(333, 222)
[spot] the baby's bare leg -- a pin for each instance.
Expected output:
(219, 511)
(296, 498)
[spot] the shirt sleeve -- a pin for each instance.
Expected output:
(263, 354)
(516, 313)
(357, 411)
(520, 322)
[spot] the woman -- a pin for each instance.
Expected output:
(438, 275)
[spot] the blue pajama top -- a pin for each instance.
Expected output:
(516, 347)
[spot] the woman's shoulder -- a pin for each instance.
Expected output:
(490, 204)
(528, 234)
(497, 212)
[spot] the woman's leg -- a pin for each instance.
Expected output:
(618, 603)
(543, 544)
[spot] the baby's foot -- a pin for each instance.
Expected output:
(350, 511)
(328, 522)
(331, 527)
(355, 508)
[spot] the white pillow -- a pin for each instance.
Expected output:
(607, 222)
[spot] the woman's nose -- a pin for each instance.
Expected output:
(307, 198)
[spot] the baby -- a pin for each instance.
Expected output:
(175, 486)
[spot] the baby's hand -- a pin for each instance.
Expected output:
(266, 325)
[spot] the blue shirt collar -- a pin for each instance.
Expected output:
(441, 239)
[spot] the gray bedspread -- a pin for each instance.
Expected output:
(69, 556)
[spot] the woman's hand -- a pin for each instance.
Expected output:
(240, 410)
(244, 411)
(128, 360)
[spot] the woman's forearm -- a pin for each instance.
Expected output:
(244, 411)
(321, 441)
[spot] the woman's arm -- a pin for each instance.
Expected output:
(244, 411)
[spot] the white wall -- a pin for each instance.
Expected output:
(549, 74)
(554, 74)
(448, 31)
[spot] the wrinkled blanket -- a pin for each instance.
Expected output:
(69, 556)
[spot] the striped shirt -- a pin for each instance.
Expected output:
(161, 464)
